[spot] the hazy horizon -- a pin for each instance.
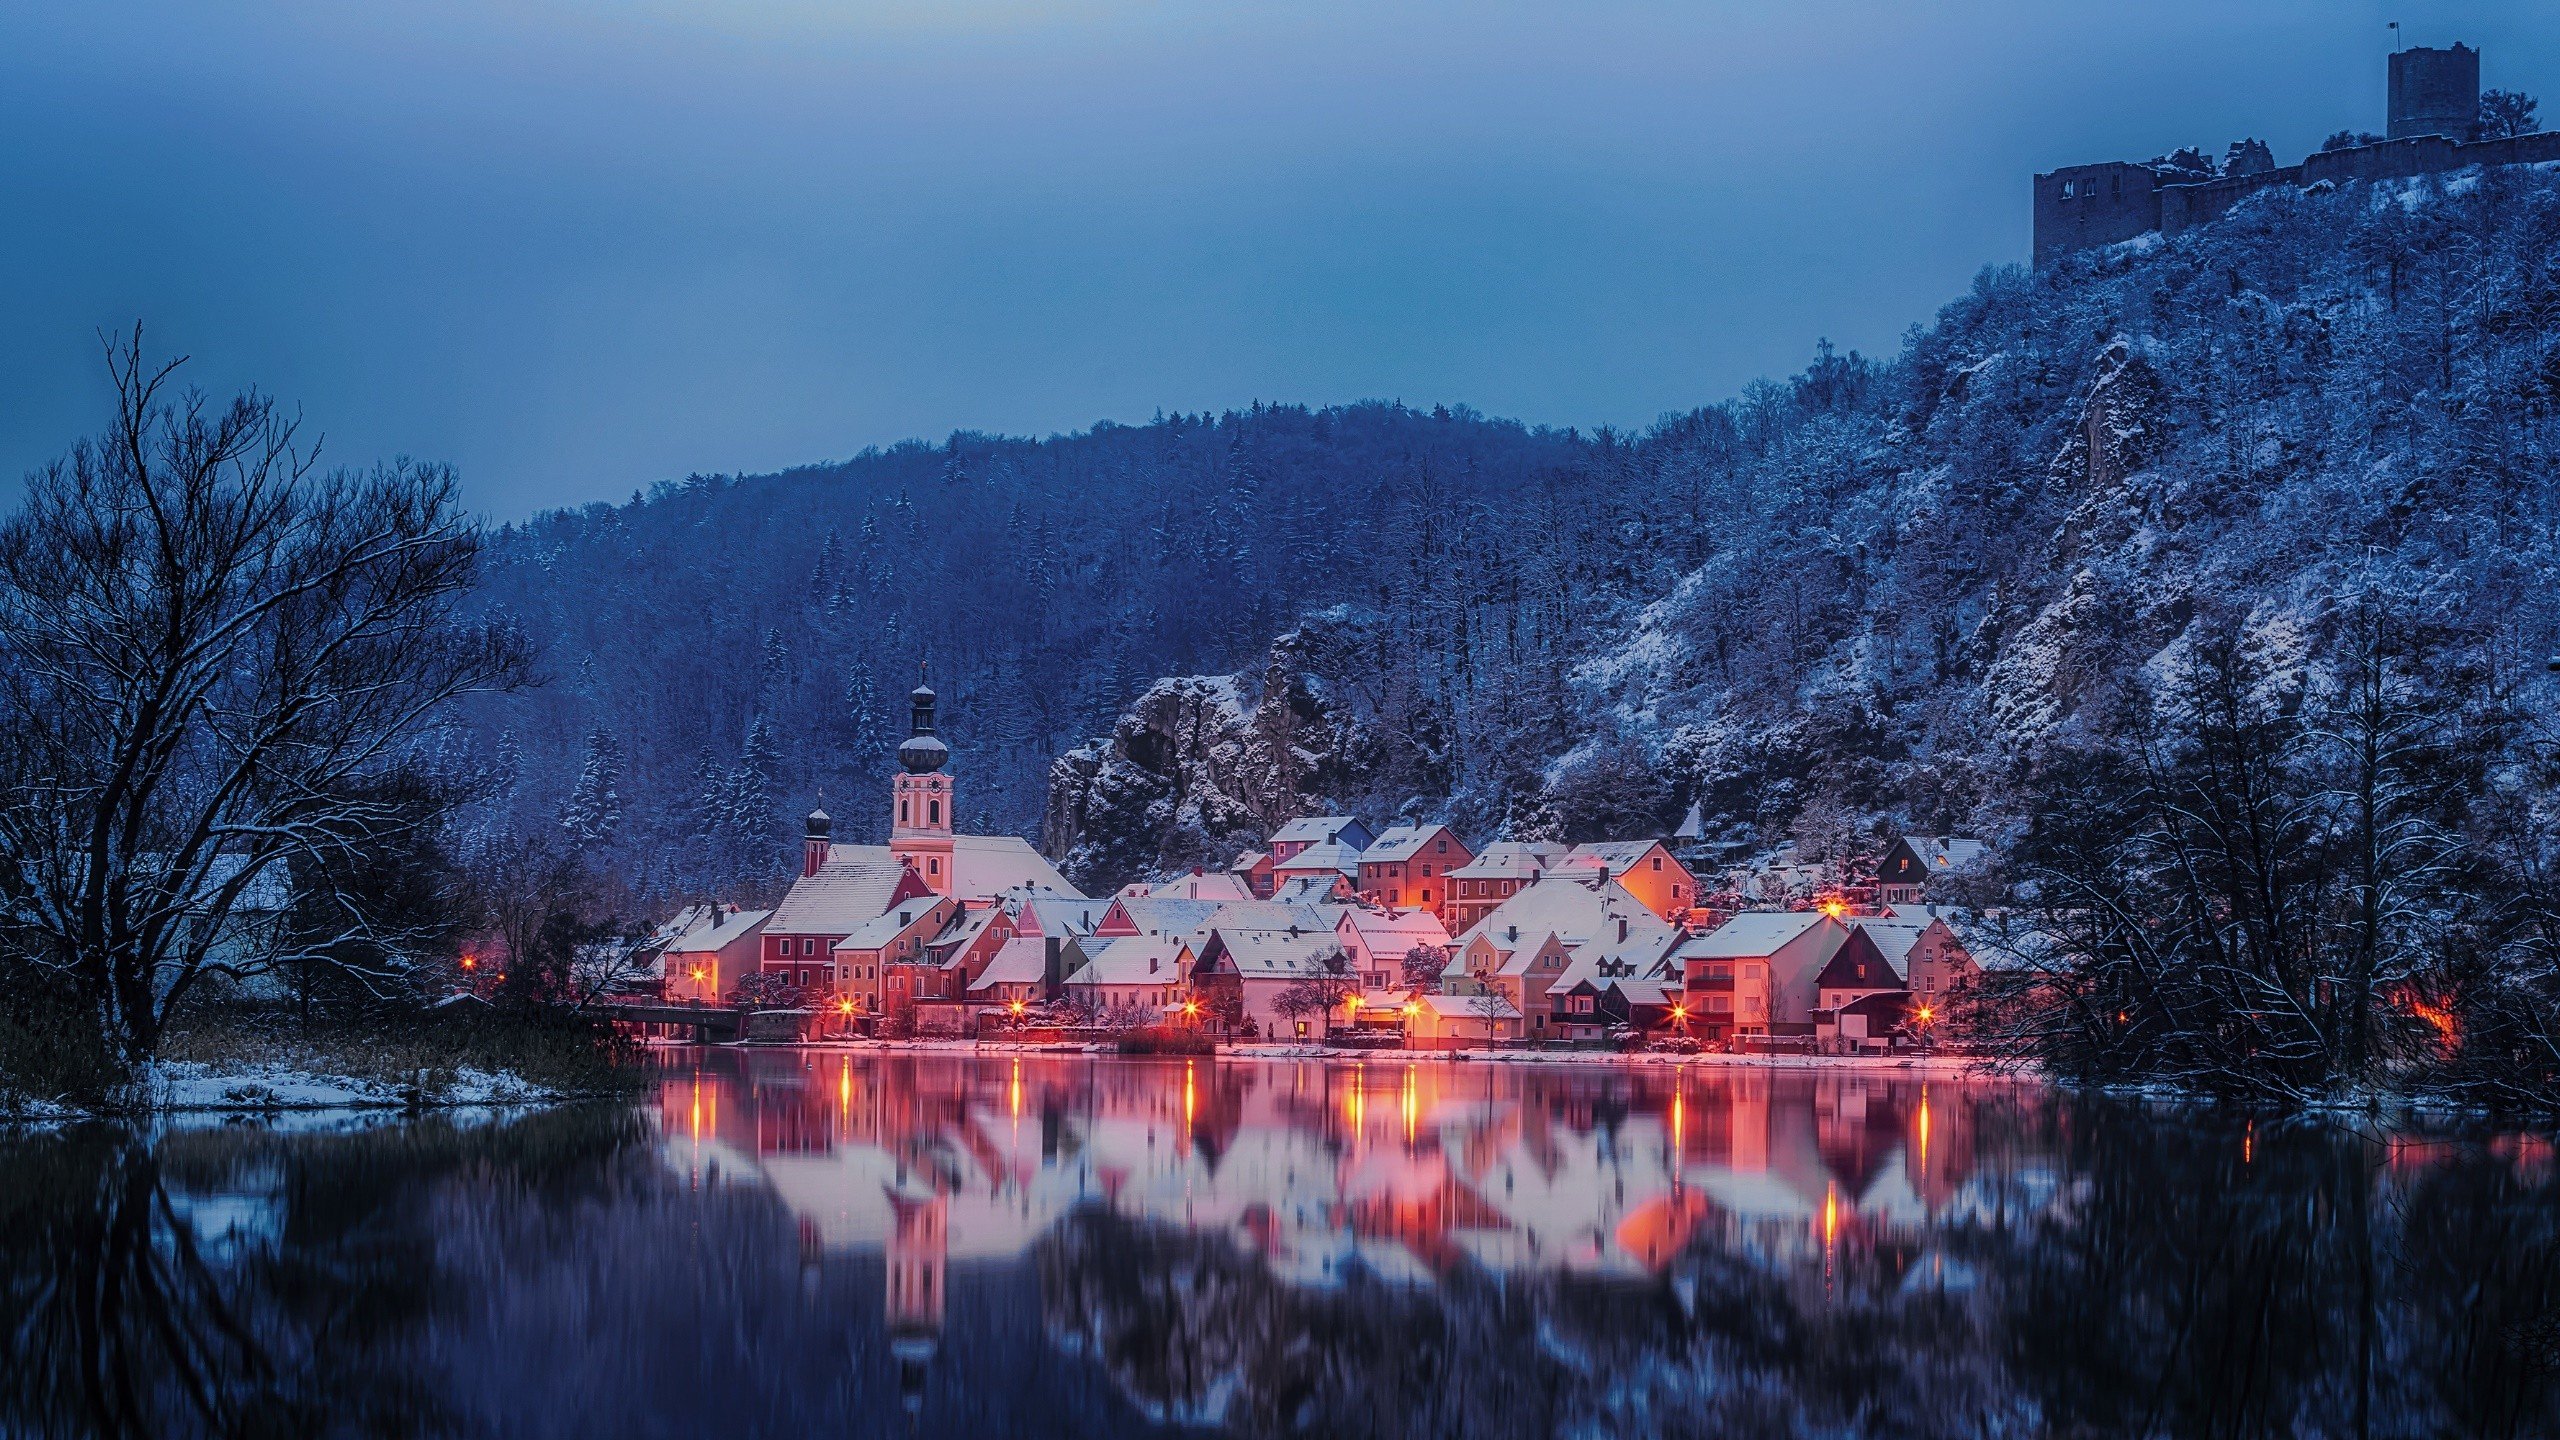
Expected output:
(577, 248)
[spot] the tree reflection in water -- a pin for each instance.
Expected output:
(237, 1281)
(938, 1244)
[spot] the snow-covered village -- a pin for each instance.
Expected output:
(1084, 719)
(1333, 931)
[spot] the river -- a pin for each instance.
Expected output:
(783, 1243)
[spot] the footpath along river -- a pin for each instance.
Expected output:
(937, 1243)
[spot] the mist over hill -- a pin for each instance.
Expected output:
(1880, 587)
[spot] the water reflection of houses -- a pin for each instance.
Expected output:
(1324, 1169)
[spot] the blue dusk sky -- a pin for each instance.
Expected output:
(575, 246)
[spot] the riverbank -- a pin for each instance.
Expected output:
(1951, 1066)
(261, 1062)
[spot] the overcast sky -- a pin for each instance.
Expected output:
(575, 246)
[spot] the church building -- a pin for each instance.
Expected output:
(843, 888)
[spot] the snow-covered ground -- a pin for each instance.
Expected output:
(195, 1085)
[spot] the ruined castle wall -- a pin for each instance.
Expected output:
(2084, 205)
(2105, 208)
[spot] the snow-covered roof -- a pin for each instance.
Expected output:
(1155, 916)
(1893, 935)
(1615, 856)
(1061, 915)
(1018, 961)
(1393, 932)
(1693, 826)
(1216, 886)
(1249, 859)
(1136, 960)
(964, 928)
(880, 932)
(1576, 910)
(1278, 915)
(1330, 855)
(1751, 934)
(1945, 852)
(1313, 829)
(1502, 862)
(985, 866)
(1316, 889)
(1401, 842)
(1469, 1007)
(1645, 991)
(1276, 954)
(849, 891)
(707, 934)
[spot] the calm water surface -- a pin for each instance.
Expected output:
(796, 1244)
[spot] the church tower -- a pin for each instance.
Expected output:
(920, 815)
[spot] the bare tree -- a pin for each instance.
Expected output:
(216, 653)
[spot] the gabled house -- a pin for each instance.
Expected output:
(1026, 970)
(1648, 871)
(890, 941)
(1857, 968)
(1148, 915)
(712, 946)
(1332, 862)
(1149, 973)
(1904, 875)
(937, 983)
(1938, 963)
(1453, 1022)
(1560, 921)
(1407, 868)
(841, 889)
(1256, 966)
(1253, 869)
(1377, 940)
(1308, 831)
(1495, 874)
(1754, 974)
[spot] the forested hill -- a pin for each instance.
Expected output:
(740, 647)
(1877, 588)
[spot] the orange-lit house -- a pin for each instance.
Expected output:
(1648, 870)
(886, 942)
(936, 983)
(713, 946)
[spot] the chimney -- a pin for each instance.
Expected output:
(1622, 929)
(1051, 982)
(813, 847)
(1511, 932)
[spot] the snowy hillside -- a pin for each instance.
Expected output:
(1874, 588)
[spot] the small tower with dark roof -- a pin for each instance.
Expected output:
(920, 815)
(813, 845)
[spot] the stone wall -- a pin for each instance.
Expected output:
(2121, 208)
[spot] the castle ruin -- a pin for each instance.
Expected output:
(2434, 109)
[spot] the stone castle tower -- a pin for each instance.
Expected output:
(920, 814)
(2434, 92)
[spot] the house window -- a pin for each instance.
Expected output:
(808, 947)
(1657, 862)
